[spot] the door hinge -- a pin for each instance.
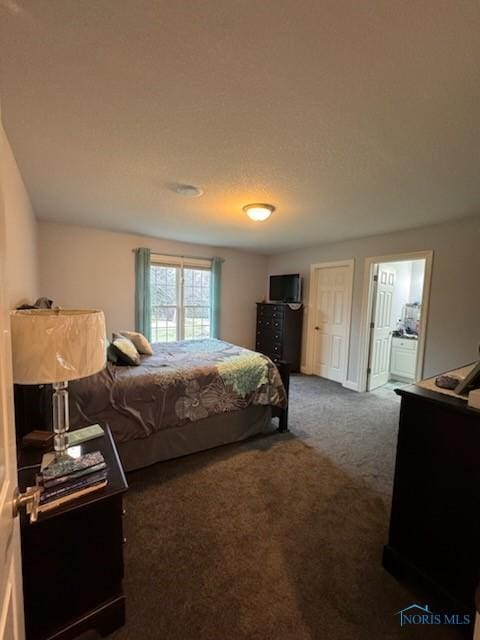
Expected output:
(375, 278)
(372, 325)
(369, 371)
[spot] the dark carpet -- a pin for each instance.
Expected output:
(279, 537)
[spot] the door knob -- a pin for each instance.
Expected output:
(29, 500)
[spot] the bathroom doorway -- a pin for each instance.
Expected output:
(397, 307)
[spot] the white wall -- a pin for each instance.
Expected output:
(409, 275)
(453, 331)
(401, 292)
(416, 287)
(85, 267)
(20, 231)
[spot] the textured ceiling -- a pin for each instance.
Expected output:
(351, 117)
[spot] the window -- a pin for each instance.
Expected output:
(181, 298)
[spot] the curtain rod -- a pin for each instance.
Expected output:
(176, 255)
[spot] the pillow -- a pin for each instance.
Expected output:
(125, 350)
(142, 345)
(112, 355)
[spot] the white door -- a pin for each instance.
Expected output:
(381, 333)
(11, 600)
(331, 322)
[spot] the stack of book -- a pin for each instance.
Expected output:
(69, 479)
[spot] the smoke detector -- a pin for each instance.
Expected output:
(188, 190)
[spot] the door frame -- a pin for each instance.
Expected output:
(312, 299)
(11, 593)
(367, 307)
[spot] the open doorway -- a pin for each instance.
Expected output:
(396, 320)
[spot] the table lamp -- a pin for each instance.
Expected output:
(53, 346)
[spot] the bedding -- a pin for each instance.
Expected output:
(181, 383)
(193, 437)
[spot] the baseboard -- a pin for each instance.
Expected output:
(353, 386)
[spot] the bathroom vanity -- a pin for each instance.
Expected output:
(403, 360)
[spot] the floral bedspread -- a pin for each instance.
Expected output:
(182, 382)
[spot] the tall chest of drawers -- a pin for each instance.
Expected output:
(279, 332)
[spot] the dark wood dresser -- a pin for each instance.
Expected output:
(72, 557)
(434, 533)
(279, 333)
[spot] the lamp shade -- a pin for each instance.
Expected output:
(57, 345)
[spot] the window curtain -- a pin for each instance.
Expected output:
(215, 296)
(143, 307)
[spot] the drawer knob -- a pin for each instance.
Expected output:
(124, 512)
(124, 541)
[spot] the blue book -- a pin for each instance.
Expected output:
(72, 487)
(72, 476)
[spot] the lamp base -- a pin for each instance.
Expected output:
(52, 457)
(60, 445)
(61, 421)
(48, 459)
(61, 456)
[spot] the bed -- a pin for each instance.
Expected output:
(188, 396)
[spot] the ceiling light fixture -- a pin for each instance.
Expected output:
(188, 190)
(259, 211)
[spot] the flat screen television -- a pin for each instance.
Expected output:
(286, 288)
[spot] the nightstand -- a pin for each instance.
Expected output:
(72, 557)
